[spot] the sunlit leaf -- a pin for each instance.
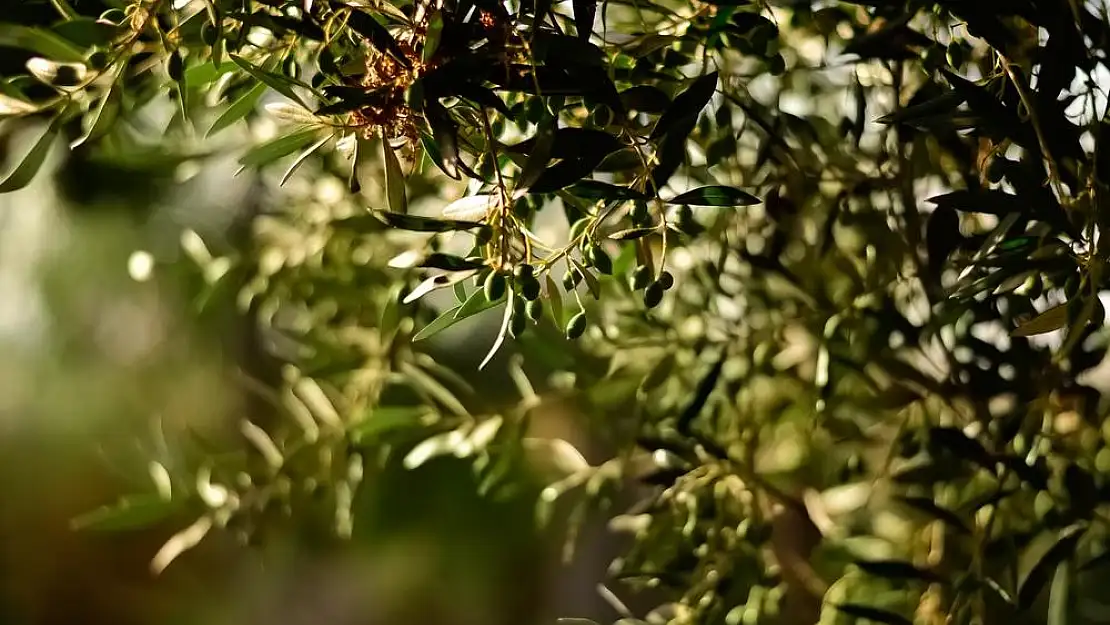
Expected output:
(394, 180)
(1048, 321)
(279, 147)
(29, 164)
(1034, 579)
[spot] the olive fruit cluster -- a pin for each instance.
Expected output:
(641, 278)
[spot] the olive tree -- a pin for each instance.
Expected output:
(826, 273)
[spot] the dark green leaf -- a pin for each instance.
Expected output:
(423, 224)
(897, 570)
(584, 12)
(377, 34)
(538, 157)
(565, 173)
(645, 99)
(86, 32)
(687, 105)
(715, 195)
(868, 613)
(701, 396)
(574, 143)
(1035, 579)
(595, 190)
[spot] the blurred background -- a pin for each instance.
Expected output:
(102, 352)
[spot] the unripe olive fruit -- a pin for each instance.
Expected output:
(600, 260)
(175, 66)
(653, 294)
(570, 280)
(494, 286)
(640, 278)
(517, 325)
(529, 288)
(524, 271)
(535, 310)
(576, 326)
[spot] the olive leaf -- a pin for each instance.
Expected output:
(715, 195)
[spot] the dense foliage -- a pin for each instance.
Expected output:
(827, 274)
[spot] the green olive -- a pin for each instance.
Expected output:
(576, 326)
(535, 310)
(494, 286)
(640, 278)
(529, 288)
(653, 294)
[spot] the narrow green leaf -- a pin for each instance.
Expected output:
(475, 304)
(1035, 579)
(592, 285)
(1048, 321)
(277, 148)
(278, 82)
(504, 330)
(868, 613)
(394, 180)
(897, 570)
(1059, 597)
(39, 41)
(238, 109)
(554, 299)
(301, 158)
(385, 419)
(99, 121)
(130, 512)
(31, 162)
(687, 105)
(715, 195)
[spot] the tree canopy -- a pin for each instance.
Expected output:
(825, 274)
